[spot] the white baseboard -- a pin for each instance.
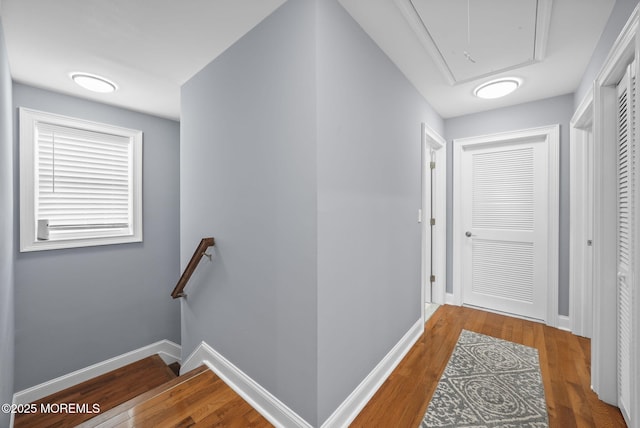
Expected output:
(355, 402)
(449, 299)
(274, 410)
(278, 413)
(564, 323)
(168, 351)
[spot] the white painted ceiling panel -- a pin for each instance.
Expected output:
(478, 38)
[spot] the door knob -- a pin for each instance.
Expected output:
(468, 234)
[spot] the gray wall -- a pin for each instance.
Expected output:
(248, 178)
(538, 113)
(6, 235)
(300, 153)
(619, 16)
(369, 154)
(78, 307)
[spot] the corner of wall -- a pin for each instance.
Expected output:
(7, 255)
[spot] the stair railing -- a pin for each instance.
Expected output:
(205, 243)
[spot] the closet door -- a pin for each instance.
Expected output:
(627, 170)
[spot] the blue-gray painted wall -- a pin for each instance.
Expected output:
(301, 155)
(7, 237)
(77, 307)
(556, 110)
(248, 178)
(369, 193)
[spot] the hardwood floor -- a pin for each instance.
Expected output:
(564, 362)
(196, 399)
(201, 399)
(147, 394)
(108, 391)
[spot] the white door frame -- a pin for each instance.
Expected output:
(431, 140)
(551, 135)
(581, 219)
(604, 367)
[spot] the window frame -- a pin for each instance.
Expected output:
(29, 120)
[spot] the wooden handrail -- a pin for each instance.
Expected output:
(205, 243)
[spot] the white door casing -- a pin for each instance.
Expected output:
(505, 256)
(604, 345)
(581, 218)
(434, 240)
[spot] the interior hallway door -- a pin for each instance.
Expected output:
(504, 215)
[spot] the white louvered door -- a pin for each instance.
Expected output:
(627, 170)
(505, 224)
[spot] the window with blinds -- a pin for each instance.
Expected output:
(80, 182)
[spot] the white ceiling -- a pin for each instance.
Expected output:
(574, 30)
(151, 47)
(148, 47)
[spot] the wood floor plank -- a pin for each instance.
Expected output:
(564, 364)
(202, 400)
(108, 391)
(169, 399)
(120, 413)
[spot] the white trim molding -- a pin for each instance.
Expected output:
(168, 351)
(581, 218)
(564, 323)
(450, 299)
(604, 361)
(434, 149)
(355, 402)
(551, 135)
(274, 410)
(278, 413)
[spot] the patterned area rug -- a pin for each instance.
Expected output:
(489, 382)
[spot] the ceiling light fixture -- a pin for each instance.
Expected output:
(94, 82)
(497, 88)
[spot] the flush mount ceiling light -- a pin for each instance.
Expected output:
(93, 82)
(497, 88)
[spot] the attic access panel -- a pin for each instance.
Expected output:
(470, 39)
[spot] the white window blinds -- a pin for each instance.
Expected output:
(84, 180)
(80, 182)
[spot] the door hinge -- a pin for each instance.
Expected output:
(432, 278)
(433, 222)
(432, 165)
